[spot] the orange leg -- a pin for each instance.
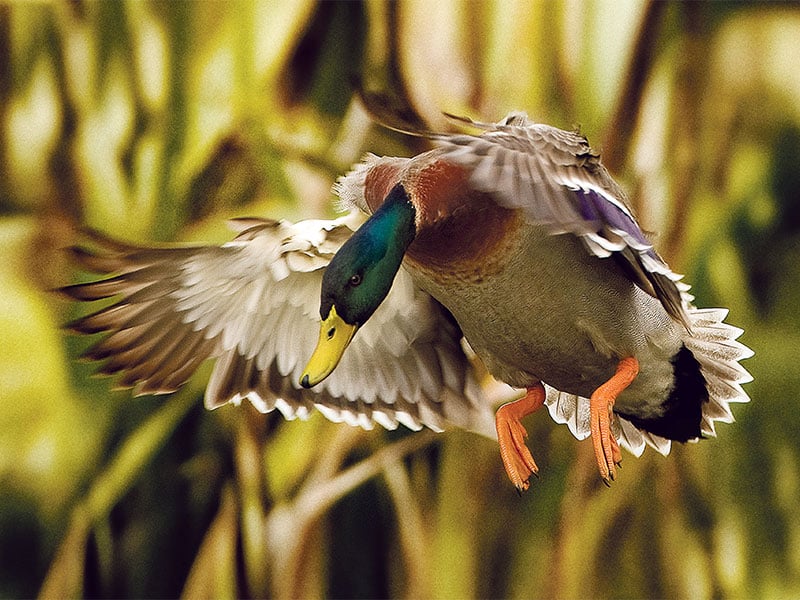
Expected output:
(511, 435)
(606, 449)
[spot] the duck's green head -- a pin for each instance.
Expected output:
(358, 279)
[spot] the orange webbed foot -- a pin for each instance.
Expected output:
(606, 448)
(511, 435)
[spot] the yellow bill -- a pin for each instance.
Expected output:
(334, 337)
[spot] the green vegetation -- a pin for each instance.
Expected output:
(156, 121)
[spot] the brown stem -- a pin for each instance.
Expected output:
(620, 131)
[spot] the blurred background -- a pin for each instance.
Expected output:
(157, 121)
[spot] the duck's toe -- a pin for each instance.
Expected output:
(606, 448)
(511, 434)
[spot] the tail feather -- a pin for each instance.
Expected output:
(715, 347)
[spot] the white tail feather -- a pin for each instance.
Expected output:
(713, 344)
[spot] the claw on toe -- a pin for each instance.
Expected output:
(606, 448)
(517, 459)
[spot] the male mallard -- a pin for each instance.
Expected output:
(518, 239)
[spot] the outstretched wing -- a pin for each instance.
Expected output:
(253, 305)
(556, 179)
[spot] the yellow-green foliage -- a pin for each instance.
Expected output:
(159, 120)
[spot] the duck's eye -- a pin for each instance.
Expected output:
(355, 280)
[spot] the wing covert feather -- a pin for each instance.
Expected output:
(554, 177)
(252, 304)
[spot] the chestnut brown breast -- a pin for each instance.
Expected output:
(462, 234)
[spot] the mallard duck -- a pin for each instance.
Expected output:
(515, 244)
